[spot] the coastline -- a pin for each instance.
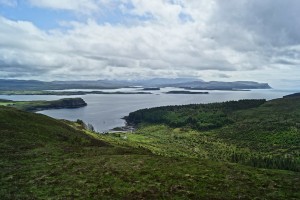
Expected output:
(35, 106)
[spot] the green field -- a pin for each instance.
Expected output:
(44, 158)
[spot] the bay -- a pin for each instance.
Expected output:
(104, 111)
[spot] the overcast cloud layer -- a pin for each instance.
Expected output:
(209, 39)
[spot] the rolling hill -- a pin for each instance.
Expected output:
(44, 158)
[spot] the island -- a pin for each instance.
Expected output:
(151, 89)
(34, 106)
(217, 85)
(185, 92)
(220, 89)
(63, 93)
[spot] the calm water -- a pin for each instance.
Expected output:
(104, 111)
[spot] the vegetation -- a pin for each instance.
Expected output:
(251, 132)
(292, 95)
(199, 117)
(44, 105)
(231, 150)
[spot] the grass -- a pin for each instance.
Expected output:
(264, 134)
(44, 158)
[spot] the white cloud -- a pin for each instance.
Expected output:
(230, 40)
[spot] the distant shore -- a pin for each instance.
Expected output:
(64, 93)
(34, 106)
(185, 92)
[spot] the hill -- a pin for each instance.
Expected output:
(251, 132)
(189, 83)
(45, 105)
(217, 85)
(44, 158)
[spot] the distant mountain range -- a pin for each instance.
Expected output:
(188, 83)
(216, 85)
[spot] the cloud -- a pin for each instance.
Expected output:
(270, 22)
(223, 76)
(160, 38)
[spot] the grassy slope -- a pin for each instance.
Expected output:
(45, 158)
(266, 134)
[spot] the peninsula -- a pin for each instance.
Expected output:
(34, 106)
(63, 93)
(185, 92)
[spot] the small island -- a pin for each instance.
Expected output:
(220, 89)
(185, 92)
(151, 89)
(34, 106)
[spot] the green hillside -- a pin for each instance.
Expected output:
(43, 158)
(251, 132)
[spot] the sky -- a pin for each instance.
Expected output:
(230, 40)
